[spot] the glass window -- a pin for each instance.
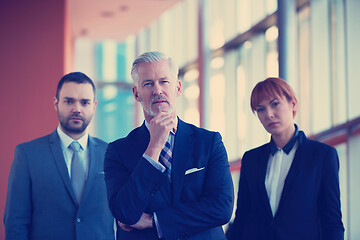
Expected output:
(191, 34)
(179, 33)
(188, 103)
(217, 100)
(109, 70)
(129, 57)
(250, 70)
(339, 62)
(229, 18)
(114, 115)
(353, 53)
(166, 34)
(271, 6)
(258, 73)
(272, 59)
(258, 11)
(304, 96)
(143, 39)
(229, 63)
(243, 13)
(154, 35)
(84, 51)
(242, 109)
(320, 63)
(217, 28)
(343, 181)
(353, 230)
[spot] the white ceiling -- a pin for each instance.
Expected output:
(114, 19)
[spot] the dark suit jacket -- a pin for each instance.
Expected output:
(191, 206)
(40, 201)
(309, 207)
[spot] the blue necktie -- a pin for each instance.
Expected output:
(166, 156)
(78, 174)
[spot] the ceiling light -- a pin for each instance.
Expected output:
(124, 8)
(107, 14)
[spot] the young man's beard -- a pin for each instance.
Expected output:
(67, 126)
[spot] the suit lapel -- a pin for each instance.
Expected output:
(263, 162)
(55, 146)
(293, 172)
(183, 148)
(93, 166)
(142, 139)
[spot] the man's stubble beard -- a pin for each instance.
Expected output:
(152, 113)
(66, 125)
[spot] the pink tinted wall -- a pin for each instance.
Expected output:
(32, 46)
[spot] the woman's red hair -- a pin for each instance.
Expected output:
(271, 88)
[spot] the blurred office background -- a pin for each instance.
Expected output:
(223, 48)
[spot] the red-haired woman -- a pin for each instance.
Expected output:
(289, 187)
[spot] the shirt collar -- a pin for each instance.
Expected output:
(66, 140)
(288, 146)
(147, 124)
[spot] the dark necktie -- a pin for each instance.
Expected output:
(166, 156)
(78, 174)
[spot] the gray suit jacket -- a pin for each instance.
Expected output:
(40, 201)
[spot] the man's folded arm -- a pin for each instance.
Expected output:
(130, 191)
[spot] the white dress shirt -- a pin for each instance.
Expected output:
(66, 140)
(277, 169)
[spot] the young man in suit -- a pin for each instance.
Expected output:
(167, 179)
(56, 187)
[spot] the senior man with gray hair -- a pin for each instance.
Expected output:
(167, 179)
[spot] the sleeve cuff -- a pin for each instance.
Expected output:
(156, 164)
(158, 229)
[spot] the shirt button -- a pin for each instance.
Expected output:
(78, 220)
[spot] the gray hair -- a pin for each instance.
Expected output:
(151, 57)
